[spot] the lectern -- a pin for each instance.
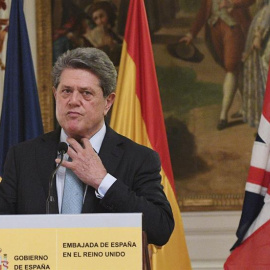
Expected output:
(68, 242)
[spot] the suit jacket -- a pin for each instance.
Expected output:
(28, 168)
(239, 12)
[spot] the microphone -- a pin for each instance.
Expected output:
(61, 150)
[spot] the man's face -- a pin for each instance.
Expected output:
(80, 105)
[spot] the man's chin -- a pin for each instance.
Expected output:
(73, 132)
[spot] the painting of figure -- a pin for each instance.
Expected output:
(88, 24)
(210, 142)
(256, 62)
(226, 30)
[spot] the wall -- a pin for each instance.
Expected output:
(209, 236)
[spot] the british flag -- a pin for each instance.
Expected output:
(255, 219)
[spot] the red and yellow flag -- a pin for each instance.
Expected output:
(137, 114)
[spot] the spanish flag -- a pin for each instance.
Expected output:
(137, 114)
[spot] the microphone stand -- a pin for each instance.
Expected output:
(51, 200)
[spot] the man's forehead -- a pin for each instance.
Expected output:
(70, 74)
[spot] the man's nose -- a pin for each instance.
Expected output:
(74, 98)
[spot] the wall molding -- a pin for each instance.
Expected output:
(209, 237)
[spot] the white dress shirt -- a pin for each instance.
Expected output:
(107, 181)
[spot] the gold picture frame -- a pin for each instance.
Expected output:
(44, 63)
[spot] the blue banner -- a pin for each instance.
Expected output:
(21, 116)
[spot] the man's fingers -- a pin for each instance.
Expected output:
(74, 144)
(65, 163)
(86, 144)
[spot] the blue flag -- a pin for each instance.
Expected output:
(21, 116)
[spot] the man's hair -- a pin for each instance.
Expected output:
(91, 59)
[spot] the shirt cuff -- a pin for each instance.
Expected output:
(106, 183)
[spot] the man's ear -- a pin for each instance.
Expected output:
(54, 91)
(109, 102)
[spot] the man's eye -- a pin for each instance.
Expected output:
(66, 91)
(87, 93)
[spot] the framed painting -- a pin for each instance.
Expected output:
(210, 157)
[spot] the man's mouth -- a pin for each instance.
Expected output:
(73, 114)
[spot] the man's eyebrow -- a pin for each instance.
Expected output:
(79, 88)
(86, 88)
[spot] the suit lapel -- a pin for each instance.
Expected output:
(110, 154)
(45, 157)
(91, 202)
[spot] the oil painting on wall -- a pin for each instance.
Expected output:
(211, 110)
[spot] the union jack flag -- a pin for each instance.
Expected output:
(257, 192)
(254, 224)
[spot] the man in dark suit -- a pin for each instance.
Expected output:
(118, 175)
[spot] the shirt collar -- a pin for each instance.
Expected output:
(96, 140)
